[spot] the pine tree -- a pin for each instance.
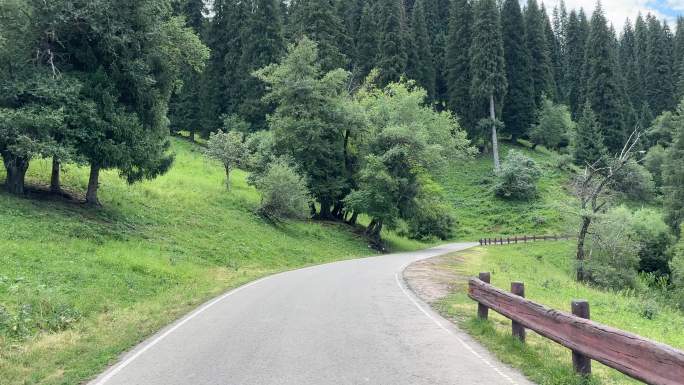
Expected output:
(422, 70)
(262, 44)
(603, 89)
(487, 63)
(367, 43)
(457, 63)
(678, 55)
(221, 81)
(540, 52)
(319, 21)
(641, 57)
(554, 56)
(518, 109)
(185, 107)
(575, 48)
(392, 59)
(659, 83)
(589, 146)
(628, 63)
(560, 30)
(673, 174)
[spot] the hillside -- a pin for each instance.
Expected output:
(80, 285)
(480, 213)
(547, 270)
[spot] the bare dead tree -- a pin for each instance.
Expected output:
(592, 189)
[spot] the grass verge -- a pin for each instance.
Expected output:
(78, 285)
(546, 268)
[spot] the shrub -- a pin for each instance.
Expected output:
(260, 154)
(283, 192)
(677, 268)
(553, 127)
(431, 220)
(613, 258)
(518, 177)
(654, 160)
(655, 240)
(635, 182)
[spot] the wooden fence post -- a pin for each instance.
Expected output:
(534, 238)
(580, 362)
(482, 310)
(516, 239)
(480, 241)
(525, 238)
(518, 288)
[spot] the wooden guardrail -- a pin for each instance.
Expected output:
(521, 239)
(640, 358)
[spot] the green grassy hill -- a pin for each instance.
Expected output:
(469, 187)
(80, 285)
(547, 269)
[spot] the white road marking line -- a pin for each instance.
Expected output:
(436, 321)
(119, 367)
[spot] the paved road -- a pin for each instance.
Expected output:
(351, 322)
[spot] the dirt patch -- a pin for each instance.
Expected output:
(435, 278)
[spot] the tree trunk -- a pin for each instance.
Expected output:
(584, 229)
(93, 185)
(338, 211)
(16, 174)
(228, 178)
(354, 217)
(192, 135)
(325, 209)
(495, 141)
(55, 183)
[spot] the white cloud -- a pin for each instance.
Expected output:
(617, 11)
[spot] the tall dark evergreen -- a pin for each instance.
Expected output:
(223, 77)
(627, 58)
(659, 80)
(367, 41)
(319, 21)
(422, 69)
(262, 44)
(487, 64)
(457, 62)
(603, 87)
(678, 45)
(540, 52)
(185, 107)
(575, 47)
(392, 51)
(554, 56)
(589, 146)
(518, 108)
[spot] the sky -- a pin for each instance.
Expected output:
(617, 11)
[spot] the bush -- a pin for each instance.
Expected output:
(260, 154)
(654, 160)
(283, 192)
(635, 182)
(613, 258)
(677, 268)
(431, 220)
(655, 240)
(518, 178)
(553, 127)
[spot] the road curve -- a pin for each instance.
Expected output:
(351, 322)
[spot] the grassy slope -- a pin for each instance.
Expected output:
(547, 270)
(153, 252)
(469, 186)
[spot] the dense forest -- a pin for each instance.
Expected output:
(347, 108)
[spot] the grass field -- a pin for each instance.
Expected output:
(78, 286)
(469, 187)
(546, 268)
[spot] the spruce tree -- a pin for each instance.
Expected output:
(603, 88)
(678, 45)
(673, 174)
(659, 83)
(518, 109)
(457, 63)
(554, 56)
(575, 48)
(560, 30)
(262, 44)
(540, 53)
(487, 63)
(367, 41)
(422, 69)
(641, 36)
(589, 146)
(628, 63)
(392, 59)
(319, 21)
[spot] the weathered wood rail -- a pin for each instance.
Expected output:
(521, 239)
(640, 358)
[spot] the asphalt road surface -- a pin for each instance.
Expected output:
(351, 322)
